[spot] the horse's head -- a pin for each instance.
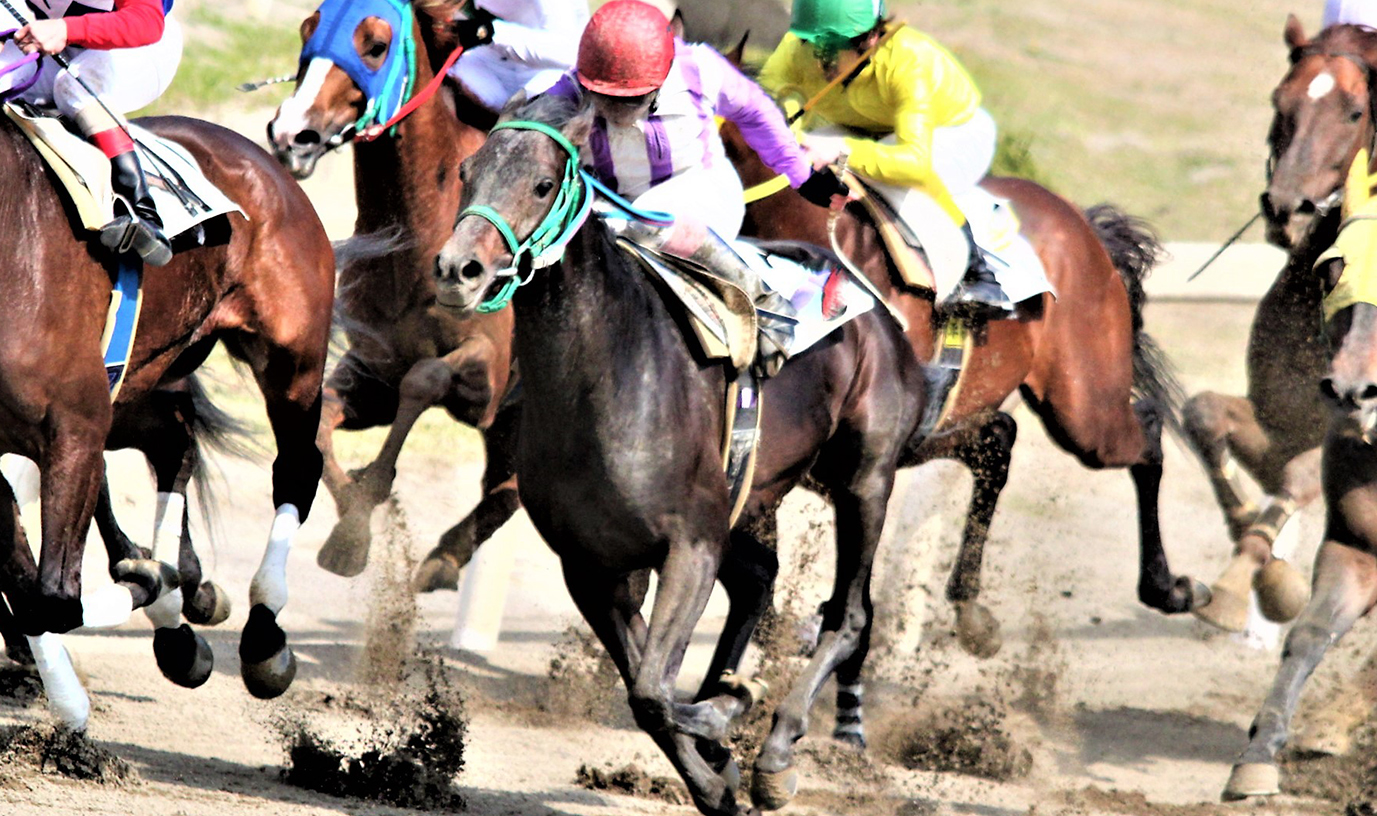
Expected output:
(517, 196)
(357, 67)
(1323, 115)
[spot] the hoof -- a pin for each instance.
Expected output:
(154, 577)
(851, 739)
(977, 630)
(209, 605)
(436, 572)
(183, 656)
(1252, 779)
(1228, 604)
(772, 791)
(1282, 592)
(345, 552)
(749, 692)
(266, 661)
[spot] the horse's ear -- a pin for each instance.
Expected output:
(738, 54)
(516, 103)
(1295, 35)
(578, 128)
(676, 24)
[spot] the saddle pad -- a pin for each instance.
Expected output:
(803, 287)
(126, 301)
(181, 192)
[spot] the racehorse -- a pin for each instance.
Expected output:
(620, 450)
(263, 285)
(1081, 360)
(1345, 572)
(1323, 116)
(405, 354)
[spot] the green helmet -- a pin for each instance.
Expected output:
(832, 24)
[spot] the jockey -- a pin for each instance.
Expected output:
(1351, 12)
(940, 141)
(511, 45)
(126, 52)
(655, 141)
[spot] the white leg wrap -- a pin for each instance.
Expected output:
(167, 527)
(1260, 633)
(67, 700)
(269, 585)
(166, 612)
(108, 606)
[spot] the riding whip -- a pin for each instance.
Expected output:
(247, 87)
(841, 79)
(1226, 245)
(65, 65)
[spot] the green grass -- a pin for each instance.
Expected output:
(221, 52)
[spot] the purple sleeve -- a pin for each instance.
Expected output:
(566, 87)
(745, 104)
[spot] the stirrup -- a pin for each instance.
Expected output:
(129, 233)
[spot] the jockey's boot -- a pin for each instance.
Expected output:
(138, 228)
(775, 315)
(979, 295)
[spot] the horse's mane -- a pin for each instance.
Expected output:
(1344, 39)
(550, 109)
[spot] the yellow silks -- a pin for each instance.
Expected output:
(1357, 242)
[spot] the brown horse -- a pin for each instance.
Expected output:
(1323, 116)
(1345, 572)
(1079, 360)
(405, 354)
(263, 285)
(606, 371)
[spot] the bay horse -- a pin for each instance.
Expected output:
(405, 354)
(1345, 572)
(1082, 361)
(263, 285)
(619, 451)
(1323, 115)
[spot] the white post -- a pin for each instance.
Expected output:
(482, 596)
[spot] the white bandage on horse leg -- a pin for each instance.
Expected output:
(167, 527)
(106, 607)
(269, 585)
(67, 700)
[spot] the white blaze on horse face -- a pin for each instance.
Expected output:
(1322, 84)
(269, 585)
(291, 117)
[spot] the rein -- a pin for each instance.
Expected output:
(28, 59)
(372, 132)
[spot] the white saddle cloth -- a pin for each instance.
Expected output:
(803, 288)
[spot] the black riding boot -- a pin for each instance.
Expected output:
(979, 293)
(138, 227)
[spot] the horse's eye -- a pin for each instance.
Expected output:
(544, 187)
(464, 171)
(377, 49)
(1355, 116)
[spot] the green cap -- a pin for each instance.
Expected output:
(832, 24)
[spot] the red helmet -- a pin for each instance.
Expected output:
(626, 50)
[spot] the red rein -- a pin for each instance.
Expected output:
(416, 101)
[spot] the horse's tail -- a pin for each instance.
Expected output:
(359, 248)
(1134, 248)
(213, 429)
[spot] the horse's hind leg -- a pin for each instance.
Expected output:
(440, 569)
(987, 455)
(1345, 587)
(1221, 428)
(860, 514)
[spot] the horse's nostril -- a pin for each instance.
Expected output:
(472, 270)
(1327, 389)
(1306, 207)
(306, 138)
(1369, 393)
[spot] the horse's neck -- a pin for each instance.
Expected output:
(408, 187)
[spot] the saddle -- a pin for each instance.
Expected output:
(720, 322)
(184, 197)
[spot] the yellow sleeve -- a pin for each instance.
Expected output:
(778, 70)
(904, 88)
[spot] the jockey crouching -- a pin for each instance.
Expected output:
(514, 45)
(126, 53)
(655, 141)
(918, 107)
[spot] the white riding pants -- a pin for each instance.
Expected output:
(491, 78)
(711, 196)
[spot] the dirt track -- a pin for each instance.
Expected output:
(1121, 710)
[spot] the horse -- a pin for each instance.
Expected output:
(1079, 360)
(262, 284)
(405, 354)
(1323, 115)
(619, 452)
(1344, 583)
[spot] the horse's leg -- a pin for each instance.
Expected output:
(860, 513)
(290, 381)
(440, 569)
(987, 454)
(16, 647)
(1345, 587)
(1219, 429)
(427, 383)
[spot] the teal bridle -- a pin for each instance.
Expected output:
(545, 245)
